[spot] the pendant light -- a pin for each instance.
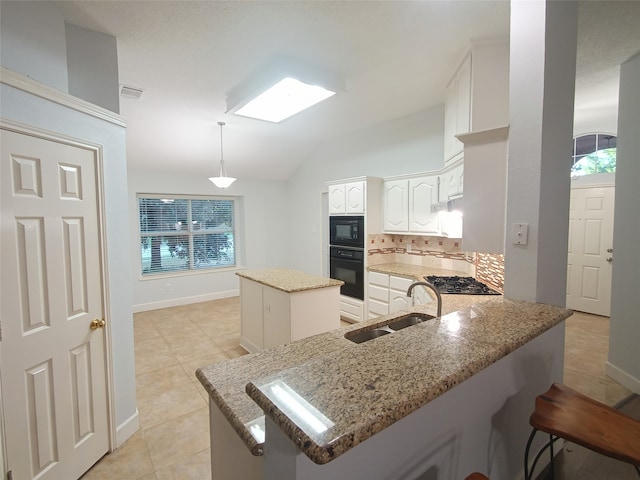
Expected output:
(222, 181)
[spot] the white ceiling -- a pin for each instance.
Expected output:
(395, 57)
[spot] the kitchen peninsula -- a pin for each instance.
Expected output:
(279, 306)
(447, 396)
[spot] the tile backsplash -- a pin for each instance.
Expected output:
(490, 269)
(439, 252)
(419, 250)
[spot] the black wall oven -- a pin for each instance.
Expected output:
(346, 231)
(347, 264)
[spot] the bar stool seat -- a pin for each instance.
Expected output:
(564, 413)
(476, 476)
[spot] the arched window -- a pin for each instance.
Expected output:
(594, 153)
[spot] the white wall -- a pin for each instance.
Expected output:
(624, 338)
(263, 237)
(411, 144)
(33, 42)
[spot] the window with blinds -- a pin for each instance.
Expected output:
(182, 233)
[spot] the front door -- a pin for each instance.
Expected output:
(53, 364)
(590, 250)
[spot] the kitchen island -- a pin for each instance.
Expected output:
(449, 396)
(280, 305)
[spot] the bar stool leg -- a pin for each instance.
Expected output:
(553, 476)
(527, 473)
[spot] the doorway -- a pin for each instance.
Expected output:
(590, 251)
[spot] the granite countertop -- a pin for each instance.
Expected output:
(360, 389)
(417, 272)
(289, 281)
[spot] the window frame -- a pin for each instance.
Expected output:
(190, 233)
(577, 157)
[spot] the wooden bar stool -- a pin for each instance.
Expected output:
(564, 413)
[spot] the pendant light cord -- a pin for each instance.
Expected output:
(223, 173)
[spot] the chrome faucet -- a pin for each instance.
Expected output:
(432, 287)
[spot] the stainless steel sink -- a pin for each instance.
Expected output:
(366, 335)
(393, 326)
(409, 320)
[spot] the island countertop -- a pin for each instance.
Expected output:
(289, 281)
(363, 388)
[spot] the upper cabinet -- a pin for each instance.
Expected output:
(477, 96)
(407, 205)
(457, 110)
(347, 198)
(451, 181)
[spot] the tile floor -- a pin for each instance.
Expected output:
(173, 440)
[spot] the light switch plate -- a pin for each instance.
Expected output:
(520, 234)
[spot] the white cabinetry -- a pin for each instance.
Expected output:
(451, 182)
(407, 205)
(387, 294)
(457, 109)
(271, 317)
(477, 96)
(347, 198)
(351, 309)
(423, 193)
(396, 205)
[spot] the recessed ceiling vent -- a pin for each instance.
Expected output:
(130, 92)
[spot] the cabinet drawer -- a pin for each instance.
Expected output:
(377, 278)
(378, 308)
(399, 283)
(379, 293)
(351, 308)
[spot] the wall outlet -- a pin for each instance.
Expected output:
(167, 287)
(408, 248)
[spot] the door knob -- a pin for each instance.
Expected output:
(97, 323)
(609, 250)
(609, 259)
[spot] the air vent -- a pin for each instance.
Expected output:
(130, 92)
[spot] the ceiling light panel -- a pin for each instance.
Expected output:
(286, 98)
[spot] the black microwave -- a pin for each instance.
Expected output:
(346, 231)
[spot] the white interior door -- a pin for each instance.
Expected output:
(590, 250)
(53, 363)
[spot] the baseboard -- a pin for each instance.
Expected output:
(176, 302)
(126, 429)
(623, 378)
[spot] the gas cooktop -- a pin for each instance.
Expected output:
(461, 285)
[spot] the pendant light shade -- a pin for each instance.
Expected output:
(222, 181)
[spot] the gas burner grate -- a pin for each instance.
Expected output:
(460, 285)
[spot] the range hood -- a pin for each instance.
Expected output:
(451, 205)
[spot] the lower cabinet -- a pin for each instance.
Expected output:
(351, 309)
(387, 294)
(270, 317)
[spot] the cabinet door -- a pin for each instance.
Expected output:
(398, 301)
(451, 183)
(463, 102)
(251, 315)
(396, 202)
(277, 317)
(355, 195)
(337, 198)
(450, 125)
(423, 192)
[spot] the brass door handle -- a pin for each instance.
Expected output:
(97, 323)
